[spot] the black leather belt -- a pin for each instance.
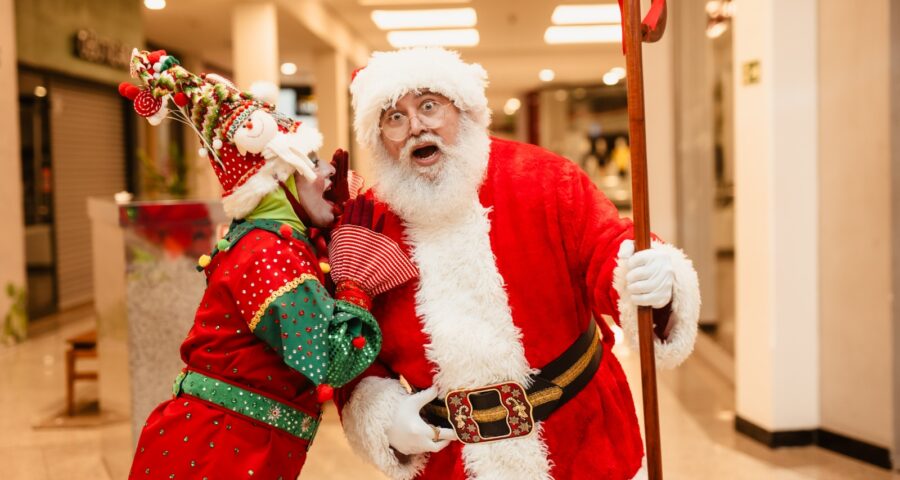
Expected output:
(508, 410)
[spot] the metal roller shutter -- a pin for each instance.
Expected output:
(87, 142)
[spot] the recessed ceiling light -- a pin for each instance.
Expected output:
(380, 3)
(512, 106)
(155, 4)
(288, 68)
(610, 78)
(546, 75)
(583, 34)
(715, 29)
(40, 91)
(438, 18)
(467, 37)
(585, 14)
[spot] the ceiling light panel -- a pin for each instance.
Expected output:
(429, 38)
(583, 34)
(384, 3)
(435, 18)
(586, 14)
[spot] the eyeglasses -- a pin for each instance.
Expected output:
(396, 125)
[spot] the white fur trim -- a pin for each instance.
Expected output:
(390, 75)
(460, 292)
(310, 139)
(245, 198)
(685, 310)
(525, 458)
(366, 418)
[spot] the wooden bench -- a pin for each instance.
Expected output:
(79, 346)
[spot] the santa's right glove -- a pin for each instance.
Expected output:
(364, 262)
(409, 434)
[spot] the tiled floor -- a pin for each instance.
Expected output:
(696, 407)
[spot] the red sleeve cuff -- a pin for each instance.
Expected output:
(350, 291)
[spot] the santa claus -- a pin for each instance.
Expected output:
(496, 362)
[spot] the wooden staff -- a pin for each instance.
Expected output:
(635, 33)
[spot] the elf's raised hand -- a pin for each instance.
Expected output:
(364, 213)
(339, 193)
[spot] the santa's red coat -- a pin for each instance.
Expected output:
(553, 238)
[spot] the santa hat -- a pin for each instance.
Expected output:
(391, 75)
(215, 109)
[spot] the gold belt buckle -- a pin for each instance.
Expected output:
(513, 397)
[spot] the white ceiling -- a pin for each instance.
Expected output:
(512, 48)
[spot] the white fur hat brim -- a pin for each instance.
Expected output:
(390, 75)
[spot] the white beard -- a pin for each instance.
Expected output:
(460, 288)
(434, 194)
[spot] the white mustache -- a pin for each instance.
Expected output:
(406, 151)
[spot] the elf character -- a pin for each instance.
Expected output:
(268, 343)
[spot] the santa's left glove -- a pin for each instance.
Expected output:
(650, 276)
(650, 280)
(365, 262)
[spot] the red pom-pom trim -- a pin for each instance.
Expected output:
(285, 230)
(128, 90)
(123, 87)
(324, 393)
(146, 105)
(132, 92)
(154, 56)
(180, 99)
(359, 342)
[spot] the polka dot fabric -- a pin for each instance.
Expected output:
(260, 276)
(189, 438)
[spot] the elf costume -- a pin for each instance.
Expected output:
(268, 342)
(502, 316)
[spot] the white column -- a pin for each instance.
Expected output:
(12, 241)
(776, 215)
(659, 95)
(331, 90)
(254, 28)
(694, 134)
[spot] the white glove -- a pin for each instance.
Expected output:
(409, 434)
(650, 277)
(287, 147)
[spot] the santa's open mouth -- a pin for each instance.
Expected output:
(426, 155)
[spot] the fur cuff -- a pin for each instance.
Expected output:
(685, 310)
(366, 418)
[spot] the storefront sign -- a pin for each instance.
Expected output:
(104, 51)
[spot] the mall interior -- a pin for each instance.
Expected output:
(773, 159)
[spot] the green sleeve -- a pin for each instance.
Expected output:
(314, 334)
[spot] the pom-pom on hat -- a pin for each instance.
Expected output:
(391, 75)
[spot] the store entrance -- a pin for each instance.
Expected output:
(34, 128)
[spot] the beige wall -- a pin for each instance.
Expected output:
(855, 232)
(45, 28)
(12, 247)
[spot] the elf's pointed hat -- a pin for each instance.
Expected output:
(216, 110)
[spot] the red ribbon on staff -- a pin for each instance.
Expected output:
(651, 20)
